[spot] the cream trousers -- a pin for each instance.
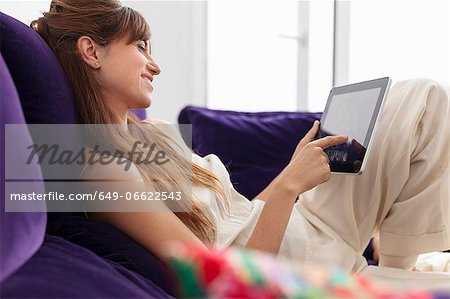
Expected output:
(403, 193)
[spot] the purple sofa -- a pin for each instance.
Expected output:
(58, 255)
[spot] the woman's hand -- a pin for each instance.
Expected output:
(309, 164)
(309, 136)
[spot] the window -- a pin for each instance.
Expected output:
(269, 55)
(286, 55)
(251, 65)
(400, 39)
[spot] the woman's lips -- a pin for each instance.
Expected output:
(148, 77)
(148, 80)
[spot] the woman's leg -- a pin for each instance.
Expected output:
(404, 190)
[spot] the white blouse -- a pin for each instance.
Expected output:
(235, 224)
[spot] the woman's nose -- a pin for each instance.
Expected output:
(154, 67)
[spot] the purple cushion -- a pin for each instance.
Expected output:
(21, 234)
(61, 269)
(255, 146)
(40, 81)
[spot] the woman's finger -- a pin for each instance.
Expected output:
(330, 141)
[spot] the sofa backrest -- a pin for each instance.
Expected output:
(43, 88)
(21, 234)
(44, 97)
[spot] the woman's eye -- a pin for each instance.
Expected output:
(142, 47)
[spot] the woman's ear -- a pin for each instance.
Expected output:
(90, 51)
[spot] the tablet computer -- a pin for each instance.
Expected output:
(353, 110)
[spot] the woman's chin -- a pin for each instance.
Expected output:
(148, 102)
(142, 104)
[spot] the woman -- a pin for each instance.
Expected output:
(104, 49)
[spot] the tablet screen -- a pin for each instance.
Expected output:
(352, 111)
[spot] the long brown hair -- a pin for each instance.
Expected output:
(105, 21)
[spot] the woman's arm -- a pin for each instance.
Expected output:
(152, 229)
(308, 168)
(274, 218)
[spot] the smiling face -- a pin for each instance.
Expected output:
(125, 74)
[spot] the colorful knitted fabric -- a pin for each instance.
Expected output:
(239, 273)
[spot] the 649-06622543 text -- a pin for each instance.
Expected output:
(98, 195)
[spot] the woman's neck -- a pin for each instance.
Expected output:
(120, 115)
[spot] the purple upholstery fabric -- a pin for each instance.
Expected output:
(21, 234)
(40, 81)
(61, 269)
(140, 113)
(113, 245)
(255, 146)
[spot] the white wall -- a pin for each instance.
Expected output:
(179, 47)
(24, 11)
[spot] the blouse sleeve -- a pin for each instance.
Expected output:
(236, 222)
